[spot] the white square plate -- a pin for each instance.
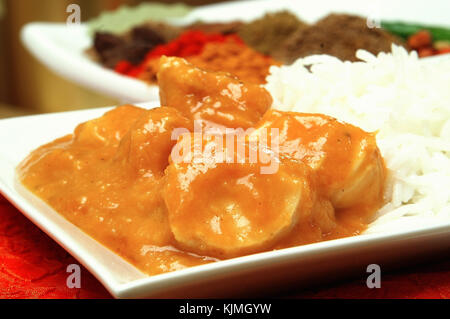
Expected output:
(262, 273)
(62, 48)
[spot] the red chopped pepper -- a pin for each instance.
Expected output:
(424, 52)
(420, 40)
(443, 51)
(123, 67)
(189, 43)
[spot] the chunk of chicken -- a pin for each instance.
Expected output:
(108, 129)
(323, 216)
(72, 151)
(145, 149)
(348, 163)
(224, 209)
(210, 97)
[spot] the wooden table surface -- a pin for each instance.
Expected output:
(7, 111)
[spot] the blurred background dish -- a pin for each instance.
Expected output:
(27, 86)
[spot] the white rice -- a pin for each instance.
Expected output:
(406, 100)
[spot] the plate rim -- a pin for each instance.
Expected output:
(41, 44)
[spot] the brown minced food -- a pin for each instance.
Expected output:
(223, 28)
(132, 46)
(266, 34)
(339, 35)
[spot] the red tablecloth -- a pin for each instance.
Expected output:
(33, 266)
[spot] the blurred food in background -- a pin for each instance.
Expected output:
(425, 39)
(210, 51)
(26, 85)
(246, 50)
(339, 35)
(279, 37)
(129, 37)
(267, 34)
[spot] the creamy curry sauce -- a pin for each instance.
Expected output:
(111, 179)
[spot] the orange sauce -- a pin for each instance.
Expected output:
(113, 179)
(99, 179)
(95, 180)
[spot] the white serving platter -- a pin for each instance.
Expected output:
(262, 273)
(61, 48)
